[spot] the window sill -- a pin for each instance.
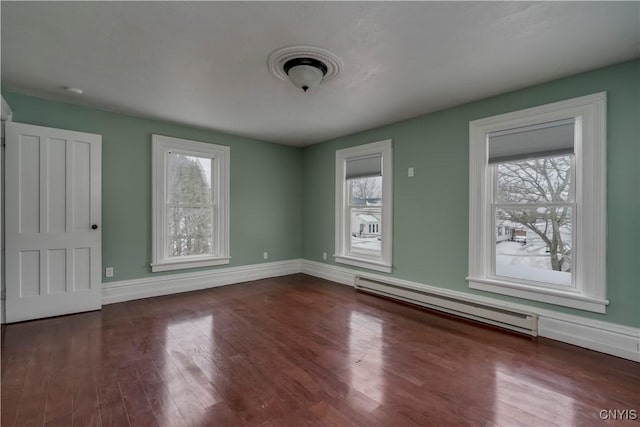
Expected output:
(550, 296)
(181, 265)
(364, 263)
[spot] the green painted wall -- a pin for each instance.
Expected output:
(282, 198)
(265, 185)
(431, 209)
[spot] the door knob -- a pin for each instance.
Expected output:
(94, 227)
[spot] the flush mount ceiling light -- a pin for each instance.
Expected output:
(305, 73)
(305, 66)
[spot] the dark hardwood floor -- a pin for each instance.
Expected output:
(296, 351)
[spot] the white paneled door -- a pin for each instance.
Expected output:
(53, 220)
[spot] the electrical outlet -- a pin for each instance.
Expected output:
(410, 172)
(108, 272)
(324, 255)
(265, 255)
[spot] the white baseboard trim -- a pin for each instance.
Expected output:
(605, 337)
(343, 275)
(127, 290)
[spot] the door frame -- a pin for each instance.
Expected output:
(6, 115)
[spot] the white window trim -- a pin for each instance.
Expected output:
(342, 236)
(590, 228)
(161, 145)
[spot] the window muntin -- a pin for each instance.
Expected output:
(534, 200)
(190, 204)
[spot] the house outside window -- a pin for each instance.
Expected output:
(538, 204)
(190, 204)
(363, 206)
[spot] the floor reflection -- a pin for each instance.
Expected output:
(294, 353)
(520, 398)
(189, 344)
(366, 356)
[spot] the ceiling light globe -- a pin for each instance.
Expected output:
(305, 76)
(305, 73)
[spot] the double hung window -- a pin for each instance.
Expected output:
(538, 205)
(190, 204)
(363, 206)
(533, 200)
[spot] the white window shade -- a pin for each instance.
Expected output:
(540, 140)
(364, 166)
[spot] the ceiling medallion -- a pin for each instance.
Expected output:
(305, 66)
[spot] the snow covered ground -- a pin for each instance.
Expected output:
(529, 262)
(366, 245)
(513, 259)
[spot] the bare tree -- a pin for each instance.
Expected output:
(534, 184)
(366, 188)
(189, 219)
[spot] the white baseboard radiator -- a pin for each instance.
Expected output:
(526, 323)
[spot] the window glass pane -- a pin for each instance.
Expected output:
(542, 180)
(366, 238)
(534, 244)
(366, 191)
(189, 231)
(365, 218)
(189, 179)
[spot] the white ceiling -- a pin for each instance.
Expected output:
(205, 64)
